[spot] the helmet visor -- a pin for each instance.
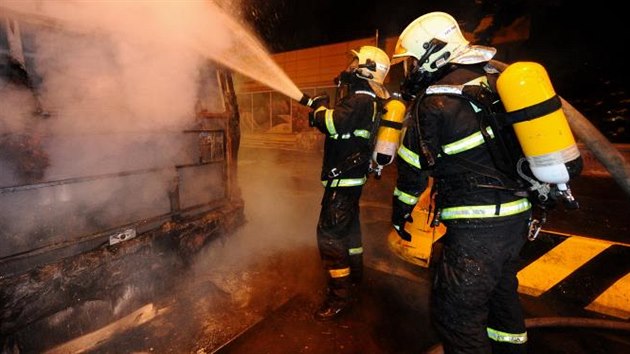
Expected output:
(410, 66)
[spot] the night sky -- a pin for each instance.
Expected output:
(561, 29)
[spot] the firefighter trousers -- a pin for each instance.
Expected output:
(474, 302)
(339, 240)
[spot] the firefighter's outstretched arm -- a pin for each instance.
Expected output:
(315, 102)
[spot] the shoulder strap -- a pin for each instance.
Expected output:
(484, 101)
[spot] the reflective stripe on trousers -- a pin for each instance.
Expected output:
(355, 251)
(339, 273)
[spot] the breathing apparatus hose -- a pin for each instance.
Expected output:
(582, 322)
(594, 140)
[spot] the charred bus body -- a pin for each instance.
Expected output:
(108, 186)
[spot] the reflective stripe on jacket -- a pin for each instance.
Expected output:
(444, 124)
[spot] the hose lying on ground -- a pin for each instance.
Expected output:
(582, 322)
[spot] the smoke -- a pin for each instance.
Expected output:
(274, 255)
(111, 87)
(120, 65)
(118, 83)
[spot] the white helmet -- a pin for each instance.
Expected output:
(373, 66)
(435, 40)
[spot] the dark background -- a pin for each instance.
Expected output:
(580, 44)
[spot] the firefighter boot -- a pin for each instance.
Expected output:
(338, 300)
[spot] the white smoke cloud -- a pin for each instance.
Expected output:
(120, 80)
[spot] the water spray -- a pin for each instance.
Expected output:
(200, 26)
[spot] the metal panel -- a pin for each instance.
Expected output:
(47, 214)
(201, 184)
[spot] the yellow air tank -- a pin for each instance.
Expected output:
(535, 111)
(388, 135)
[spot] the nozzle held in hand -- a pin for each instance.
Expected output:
(306, 100)
(315, 102)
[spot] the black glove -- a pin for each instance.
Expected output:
(315, 102)
(401, 214)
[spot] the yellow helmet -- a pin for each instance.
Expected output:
(435, 40)
(373, 66)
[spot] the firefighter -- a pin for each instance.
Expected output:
(348, 128)
(474, 301)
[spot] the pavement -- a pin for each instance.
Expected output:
(562, 299)
(255, 291)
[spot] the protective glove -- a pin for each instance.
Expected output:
(401, 214)
(315, 102)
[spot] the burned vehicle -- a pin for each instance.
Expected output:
(117, 166)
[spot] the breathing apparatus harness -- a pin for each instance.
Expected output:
(510, 170)
(344, 82)
(359, 158)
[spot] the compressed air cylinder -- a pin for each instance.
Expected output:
(540, 125)
(388, 135)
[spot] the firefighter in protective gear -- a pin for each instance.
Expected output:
(347, 127)
(474, 301)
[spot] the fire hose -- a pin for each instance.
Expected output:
(582, 322)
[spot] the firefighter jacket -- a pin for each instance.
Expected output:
(348, 127)
(444, 130)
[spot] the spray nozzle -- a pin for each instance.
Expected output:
(306, 100)
(322, 100)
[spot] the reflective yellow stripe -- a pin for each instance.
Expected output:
(409, 156)
(355, 251)
(514, 338)
(486, 211)
(345, 182)
(405, 197)
(467, 143)
(339, 273)
(362, 133)
(330, 124)
(319, 109)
